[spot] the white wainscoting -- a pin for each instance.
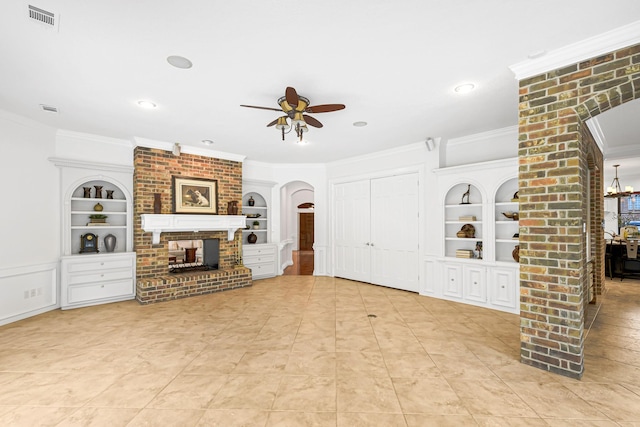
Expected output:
(27, 291)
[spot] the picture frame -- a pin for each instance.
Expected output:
(194, 195)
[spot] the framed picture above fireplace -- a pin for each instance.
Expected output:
(194, 195)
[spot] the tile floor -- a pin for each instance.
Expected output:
(310, 351)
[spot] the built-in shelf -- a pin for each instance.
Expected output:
(167, 223)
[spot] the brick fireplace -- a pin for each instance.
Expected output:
(153, 171)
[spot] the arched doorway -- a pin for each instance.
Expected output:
(298, 227)
(557, 216)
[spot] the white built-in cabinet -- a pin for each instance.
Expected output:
(483, 198)
(101, 276)
(376, 233)
(262, 256)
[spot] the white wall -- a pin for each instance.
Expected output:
(29, 219)
(496, 144)
(30, 214)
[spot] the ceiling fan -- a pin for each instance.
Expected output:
(294, 106)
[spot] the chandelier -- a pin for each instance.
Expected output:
(615, 189)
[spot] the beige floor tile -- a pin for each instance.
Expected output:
(319, 363)
(213, 361)
(545, 398)
(303, 351)
(100, 417)
(417, 396)
(167, 418)
(424, 420)
(485, 421)
(306, 393)
(615, 401)
(189, 392)
(361, 363)
(410, 365)
(30, 416)
(364, 419)
(233, 418)
(366, 394)
(462, 367)
(133, 390)
(301, 419)
(262, 362)
(490, 397)
(247, 392)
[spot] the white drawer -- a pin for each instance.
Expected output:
(100, 276)
(262, 269)
(249, 251)
(83, 293)
(256, 259)
(102, 263)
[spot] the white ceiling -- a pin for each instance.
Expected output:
(393, 63)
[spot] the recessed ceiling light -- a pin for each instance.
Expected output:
(179, 62)
(207, 141)
(359, 124)
(464, 88)
(146, 104)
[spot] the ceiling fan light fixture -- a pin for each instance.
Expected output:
(282, 123)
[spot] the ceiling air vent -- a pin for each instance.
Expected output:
(49, 108)
(43, 16)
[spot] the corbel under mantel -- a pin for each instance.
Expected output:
(167, 223)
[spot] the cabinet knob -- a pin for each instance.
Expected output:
(102, 263)
(372, 244)
(367, 243)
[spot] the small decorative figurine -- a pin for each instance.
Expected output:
(479, 249)
(87, 192)
(466, 196)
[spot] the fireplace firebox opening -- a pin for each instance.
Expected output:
(194, 255)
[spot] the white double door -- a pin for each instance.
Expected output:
(376, 231)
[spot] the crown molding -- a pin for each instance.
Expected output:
(69, 134)
(609, 41)
(187, 149)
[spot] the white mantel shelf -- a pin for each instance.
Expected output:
(167, 223)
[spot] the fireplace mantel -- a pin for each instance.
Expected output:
(166, 223)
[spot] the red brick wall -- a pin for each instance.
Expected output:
(556, 154)
(153, 171)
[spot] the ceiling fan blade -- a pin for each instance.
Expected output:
(262, 108)
(311, 121)
(324, 108)
(272, 123)
(291, 96)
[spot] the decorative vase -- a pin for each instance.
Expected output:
(109, 194)
(252, 238)
(98, 207)
(98, 191)
(110, 242)
(87, 192)
(232, 208)
(516, 253)
(157, 203)
(251, 202)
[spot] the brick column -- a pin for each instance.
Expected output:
(557, 159)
